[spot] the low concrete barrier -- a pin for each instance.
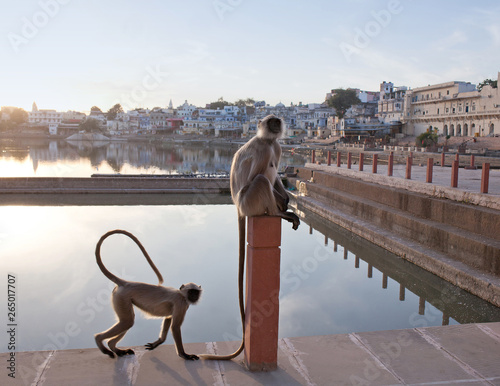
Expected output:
(141, 184)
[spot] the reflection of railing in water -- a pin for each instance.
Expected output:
(448, 299)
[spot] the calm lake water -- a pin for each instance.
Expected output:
(50, 158)
(331, 281)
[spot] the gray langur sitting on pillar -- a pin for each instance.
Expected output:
(257, 190)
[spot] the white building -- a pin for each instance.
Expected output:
(391, 103)
(186, 110)
(44, 117)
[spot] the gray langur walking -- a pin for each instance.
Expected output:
(155, 300)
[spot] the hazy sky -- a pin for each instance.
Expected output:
(74, 54)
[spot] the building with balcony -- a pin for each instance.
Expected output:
(453, 108)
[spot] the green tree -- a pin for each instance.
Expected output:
(219, 104)
(244, 102)
(342, 100)
(18, 116)
(428, 138)
(91, 125)
(492, 83)
(247, 103)
(113, 111)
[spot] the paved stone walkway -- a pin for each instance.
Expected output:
(449, 355)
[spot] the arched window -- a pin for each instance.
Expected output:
(492, 128)
(466, 130)
(445, 129)
(452, 130)
(473, 129)
(459, 130)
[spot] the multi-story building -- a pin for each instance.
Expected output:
(453, 108)
(44, 117)
(159, 119)
(391, 103)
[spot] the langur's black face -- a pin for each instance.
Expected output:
(191, 292)
(274, 125)
(193, 295)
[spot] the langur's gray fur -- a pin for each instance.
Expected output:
(154, 300)
(257, 190)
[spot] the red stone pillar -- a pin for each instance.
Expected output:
(349, 157)
(430, 164)
(374, 164)
(454, 174)
(472, 162)
(390, 164)
(442, 159)
(262, 293)
(329, 158)
(408, 167)
(339, 159)
(313, 156)
(361, 161)
(485, 178)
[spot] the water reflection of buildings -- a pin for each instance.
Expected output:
(165, 157)
(451, 301)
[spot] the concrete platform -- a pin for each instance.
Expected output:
(450, 355)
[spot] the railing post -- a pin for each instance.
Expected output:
(374, 164)
(408, 167)
(485, 177)
(329, 158)
(390, 164)
(349, 157)
(339, 159)
(430, 163)
(454, 174)
(262, 293)
(361, 161)
(442, 159)
(313, 156)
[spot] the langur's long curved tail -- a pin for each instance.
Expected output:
(111, 276)
(241, 294)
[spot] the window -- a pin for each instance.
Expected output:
(447, 92)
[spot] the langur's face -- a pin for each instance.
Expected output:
(192, 292)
